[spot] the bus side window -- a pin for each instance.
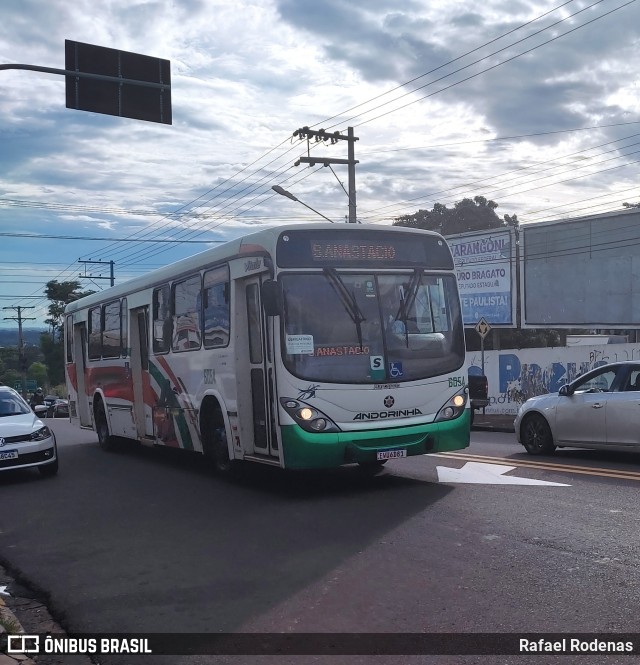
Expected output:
(111, 333)
(95, 333)
(186, 307)
(216, 308)
(69, 338)
(162, 321)
(124, 328)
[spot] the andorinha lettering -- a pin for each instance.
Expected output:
(352, 251)
(381, 415)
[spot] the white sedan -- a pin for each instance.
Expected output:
(600, 409)
(25, 441)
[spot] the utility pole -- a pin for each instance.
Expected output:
(21, 356)
(321, 135)
(111, 277)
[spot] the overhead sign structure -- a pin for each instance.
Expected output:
(143, 91)
(105, 80)
(483, 267)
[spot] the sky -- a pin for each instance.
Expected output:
(534, 105)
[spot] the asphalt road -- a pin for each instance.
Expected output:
(149, 541)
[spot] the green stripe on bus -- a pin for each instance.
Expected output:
(303, 449)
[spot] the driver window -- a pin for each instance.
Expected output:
(634, 380)
(598, 383)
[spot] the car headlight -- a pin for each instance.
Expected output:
(308, 417)
(454, 407)
(41, 434)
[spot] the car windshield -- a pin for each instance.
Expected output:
(11, 404)
(371, 328)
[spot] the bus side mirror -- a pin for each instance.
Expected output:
(271, 298)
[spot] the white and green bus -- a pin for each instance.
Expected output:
(300, 346)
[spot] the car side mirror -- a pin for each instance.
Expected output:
(40, 409)
(565, 391)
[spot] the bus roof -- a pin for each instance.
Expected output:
(253, 243)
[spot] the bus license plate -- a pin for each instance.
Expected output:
(391, 454)
(9, 454)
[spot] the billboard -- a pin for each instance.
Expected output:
(583, 272)
(483, 264)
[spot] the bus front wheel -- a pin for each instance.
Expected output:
(218, 452)
(372, 467)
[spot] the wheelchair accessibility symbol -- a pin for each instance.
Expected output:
(395, 370)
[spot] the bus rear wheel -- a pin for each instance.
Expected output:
(105, 440)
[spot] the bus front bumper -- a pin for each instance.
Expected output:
(306, 450)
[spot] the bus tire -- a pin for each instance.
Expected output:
(105, 440)
(372, 467)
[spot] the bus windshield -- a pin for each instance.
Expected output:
(343, 327)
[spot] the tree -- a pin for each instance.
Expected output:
(477, 214)
(60, 294)
(38, 371)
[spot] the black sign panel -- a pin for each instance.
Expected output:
(360, 248)
(113, 98)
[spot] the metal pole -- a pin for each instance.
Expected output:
(352, 175)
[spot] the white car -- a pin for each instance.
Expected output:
(600, 409)
(25, 441)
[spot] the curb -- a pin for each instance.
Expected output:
(482, 427)
(8, 618)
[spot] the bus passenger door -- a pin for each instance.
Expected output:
(259, 354)
(139, 318)
(80, 358)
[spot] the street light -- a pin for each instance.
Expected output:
(283, 192)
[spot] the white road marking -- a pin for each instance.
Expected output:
(487, 474)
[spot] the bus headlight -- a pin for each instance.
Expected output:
(309, 418)
(454, 407)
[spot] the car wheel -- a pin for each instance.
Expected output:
(105, 440)
(536, 436)
(49, 470)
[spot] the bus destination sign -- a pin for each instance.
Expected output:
(367, 249)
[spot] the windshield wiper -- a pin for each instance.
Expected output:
(406, 302)
(347, 299)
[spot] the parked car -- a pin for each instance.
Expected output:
(58, 409)
(599, 409)
(25, 441)
(478, 392)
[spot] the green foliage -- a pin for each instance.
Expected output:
(61, 294)
(52, 350)
(477, 214)
(10, 377)
(38, 371)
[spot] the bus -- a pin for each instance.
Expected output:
(300, 346)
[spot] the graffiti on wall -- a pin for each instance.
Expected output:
(514, 375)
